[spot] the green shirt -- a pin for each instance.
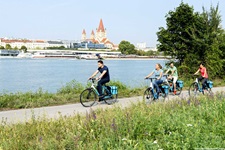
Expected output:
(175, 74)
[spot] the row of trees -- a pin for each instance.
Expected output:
(8, 46)
(193, 37)
(128, 49)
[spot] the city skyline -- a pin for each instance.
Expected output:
(136, 21)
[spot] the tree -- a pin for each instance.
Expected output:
(24, 48)
(127, 48)
(208, 36)
(194, 37)
(2, 47)
(175, 40)
(15, 48)
(8, 46)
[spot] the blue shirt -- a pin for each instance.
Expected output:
(106, 75)
(157, 72)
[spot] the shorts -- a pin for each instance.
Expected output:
(174, 79)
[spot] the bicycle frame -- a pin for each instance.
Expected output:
(199, 88)
(152, 88)
(96, 91)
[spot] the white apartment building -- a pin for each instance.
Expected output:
(141, 46)
(30, 44)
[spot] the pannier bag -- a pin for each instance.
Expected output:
(109, 90)
(114, 90)
(166, 89)
(180, 83)
(210, 84)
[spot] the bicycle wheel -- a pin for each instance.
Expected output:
(148, 96)
(178, 90)
(163, 97)
(88, 97)
(111, 100)
(209, 92)
(193, 90)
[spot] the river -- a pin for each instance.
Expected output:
(23, 75)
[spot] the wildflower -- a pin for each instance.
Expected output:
(189, 102)
(155, 142)
(124, 139)
(40, 140)
(189, 125)
(94, 116)
(114, 124)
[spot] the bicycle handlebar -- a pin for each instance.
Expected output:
(92, 80)
(165, 75)
(150, 78)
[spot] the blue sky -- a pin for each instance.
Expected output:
(135, 21)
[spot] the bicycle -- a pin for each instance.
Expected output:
(195, 88)
(89, 96)
(150, 94)
(179, 86)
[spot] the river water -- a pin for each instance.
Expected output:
(22, 75)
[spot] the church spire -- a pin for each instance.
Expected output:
(83, 36)
(84, 32)
(101, 27)
(92, 35)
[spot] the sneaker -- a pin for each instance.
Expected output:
(175, 92)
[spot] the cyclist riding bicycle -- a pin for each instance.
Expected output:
(204, 75)
(173, 75)
(158, 74)
(103, 78)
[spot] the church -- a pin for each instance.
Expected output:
(99, 37)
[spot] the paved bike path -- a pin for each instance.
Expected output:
(24, 115)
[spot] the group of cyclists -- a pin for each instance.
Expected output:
(158, 72)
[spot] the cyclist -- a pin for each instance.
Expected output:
(204, 75)
(103, 78)
(158, 74)
(173, 75)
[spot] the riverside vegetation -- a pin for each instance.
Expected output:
(178, 124)
(70, 93)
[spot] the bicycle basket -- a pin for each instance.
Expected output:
(210, 84)
(180, 83)
(114, 90)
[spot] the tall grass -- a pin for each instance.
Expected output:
(178, 124)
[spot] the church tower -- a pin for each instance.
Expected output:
(100, 32)
(83, 37)
(92, 35)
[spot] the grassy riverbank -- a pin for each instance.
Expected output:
(178, 124)
(69, 94)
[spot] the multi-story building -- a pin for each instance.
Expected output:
(141, 46)
(30, 44)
